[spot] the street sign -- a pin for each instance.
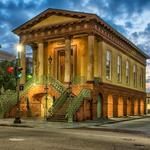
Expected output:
(21, 87)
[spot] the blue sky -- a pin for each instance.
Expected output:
(129, 17)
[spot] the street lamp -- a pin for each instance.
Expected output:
(46, 86)
(19, 48)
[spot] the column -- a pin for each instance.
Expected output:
(132, 106)
(40, 60)
(99, 64)
(34, 52)
(67, 77)
(23, 64)
(139, 106)
(125, 105)
(90, 58)
(115, 105)
(105, 106)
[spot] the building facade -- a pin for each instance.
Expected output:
(148, 103)
(83, 69)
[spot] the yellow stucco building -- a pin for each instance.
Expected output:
(82, 68)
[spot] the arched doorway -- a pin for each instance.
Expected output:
(120, 106)
(99, 106)
(44, 110)
(110, 106)
(128, 107)
(141, 106)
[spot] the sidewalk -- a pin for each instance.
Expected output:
(40, 123)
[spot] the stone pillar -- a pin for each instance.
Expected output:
(34, 52)
(99, 58)
(90, 58)
(67, 77)
(22, 56)
(125, 105)
(40, 60)
(132, 106)
(105, 106)
(139, 106)
(115, 105)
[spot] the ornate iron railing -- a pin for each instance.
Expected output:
(63, 97)
(76, 103)
(42, 80)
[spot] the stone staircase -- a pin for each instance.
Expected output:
(64, 107)
(60, 113)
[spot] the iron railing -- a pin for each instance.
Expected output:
(76, 103)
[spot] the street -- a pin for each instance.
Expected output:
(47, 138)
(140, 125)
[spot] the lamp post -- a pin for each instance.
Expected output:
(17, 116)
(46, 86)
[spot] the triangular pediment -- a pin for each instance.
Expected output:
(54, 19)
(51, 17)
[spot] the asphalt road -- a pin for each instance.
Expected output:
(17, 138)
(139, 125)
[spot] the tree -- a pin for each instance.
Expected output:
(7, 80)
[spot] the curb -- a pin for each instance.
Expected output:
(115, 130)
(16, 125)
(113, 121)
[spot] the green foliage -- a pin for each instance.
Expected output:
(8, 100)
(7, 80)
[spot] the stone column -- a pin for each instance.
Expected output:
(23, 64)
(40, 60)
(132, 106)
(34, 52)
(90, 58)
(67, 77)
(125, 105)
(99, 64)
(105, 106)
(139, 106)
(115, 105)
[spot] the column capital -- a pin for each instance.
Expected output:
(91, 33)
(68, 36)
(99, 39)
(34, 46)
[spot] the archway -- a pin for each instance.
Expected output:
(99, 106)
(120, 106)
(110, 106)
(44, 109)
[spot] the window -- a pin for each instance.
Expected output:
(142, 78)
(108, 65)
(119, 68)
(127, 72)
(134, 75)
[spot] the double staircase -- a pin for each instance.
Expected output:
(64, 108)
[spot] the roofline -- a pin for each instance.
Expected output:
(52, 9)
(7, 53)
(92, 14)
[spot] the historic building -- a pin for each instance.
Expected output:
(5, 56)
(148, 103)
(82, 68)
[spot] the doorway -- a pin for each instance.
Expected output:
(99, 106)
(61, 63)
